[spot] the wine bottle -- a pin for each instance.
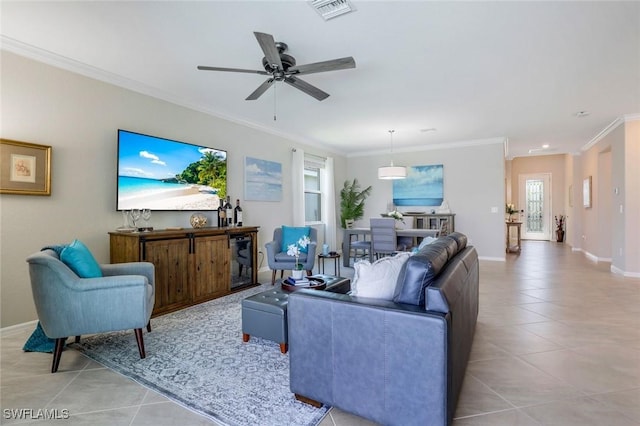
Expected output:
(222, 215)
(229, 211)
(237, 214)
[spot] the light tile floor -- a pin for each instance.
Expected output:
(557, 343)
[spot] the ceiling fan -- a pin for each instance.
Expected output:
(280, 66)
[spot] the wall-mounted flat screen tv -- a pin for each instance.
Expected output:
(164, 174)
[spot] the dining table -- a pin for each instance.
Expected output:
(406, 232)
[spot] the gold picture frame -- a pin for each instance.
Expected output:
(25, 168)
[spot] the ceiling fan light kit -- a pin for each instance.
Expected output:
(280, 66)
(392, 172)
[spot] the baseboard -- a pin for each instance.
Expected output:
(30, 325)
(591, 257)
(492, 259)
(613, 269)
(619, 271)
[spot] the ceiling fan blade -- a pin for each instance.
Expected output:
(332, 65)
(268, 46)
(306, 88)
(260, 90)
(205, 68)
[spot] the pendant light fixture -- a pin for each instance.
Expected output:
(391, 171)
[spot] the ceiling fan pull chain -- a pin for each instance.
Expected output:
(274, 100)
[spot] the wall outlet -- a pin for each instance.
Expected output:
(494, 210)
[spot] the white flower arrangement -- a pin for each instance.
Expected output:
(294, 249)
(396, 215)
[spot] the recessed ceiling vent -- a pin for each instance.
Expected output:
(330, 9)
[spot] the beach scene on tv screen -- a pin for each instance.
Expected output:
(161, 174)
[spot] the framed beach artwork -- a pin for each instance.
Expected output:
(25, 168)
(423, 186)
(262, 180)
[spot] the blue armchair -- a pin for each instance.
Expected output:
(68, 305)
(280, 260)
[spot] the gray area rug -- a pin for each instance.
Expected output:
(196, 357)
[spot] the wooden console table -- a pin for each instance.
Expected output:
(191, 265)
(514, 248)
(434, 221)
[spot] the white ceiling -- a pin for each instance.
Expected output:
(475, 71)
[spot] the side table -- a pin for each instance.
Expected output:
(517, 247)
(336, 260)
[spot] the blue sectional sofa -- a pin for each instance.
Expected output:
(395, 362)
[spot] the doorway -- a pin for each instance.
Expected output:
(535, 200)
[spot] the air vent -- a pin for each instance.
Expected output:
(330, 9)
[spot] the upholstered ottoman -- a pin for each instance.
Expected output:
(265, 314)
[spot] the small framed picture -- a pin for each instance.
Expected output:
(586, 192)
(25, 168)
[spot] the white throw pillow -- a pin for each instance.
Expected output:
(378, 279)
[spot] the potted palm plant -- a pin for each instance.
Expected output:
(352, 201)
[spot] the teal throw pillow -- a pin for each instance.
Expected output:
(292, 234)
(78, 257)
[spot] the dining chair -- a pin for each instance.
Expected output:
(384, 241)
(405, 243)
(358, 248)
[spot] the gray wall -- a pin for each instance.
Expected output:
(473, 184)
(78, 116)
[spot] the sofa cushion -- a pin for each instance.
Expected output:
(378, 280)
(451, 245)
(421, 269)
(292, 234)
(461, 239)
(80, 260)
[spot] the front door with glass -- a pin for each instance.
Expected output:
(535, 199)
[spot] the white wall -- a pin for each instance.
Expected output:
(473, 183)
(78, 117)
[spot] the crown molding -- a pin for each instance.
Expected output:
(53, 59)
(432, 147)
(608, 129)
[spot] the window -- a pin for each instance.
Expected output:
(314, 181)
(312, 195)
